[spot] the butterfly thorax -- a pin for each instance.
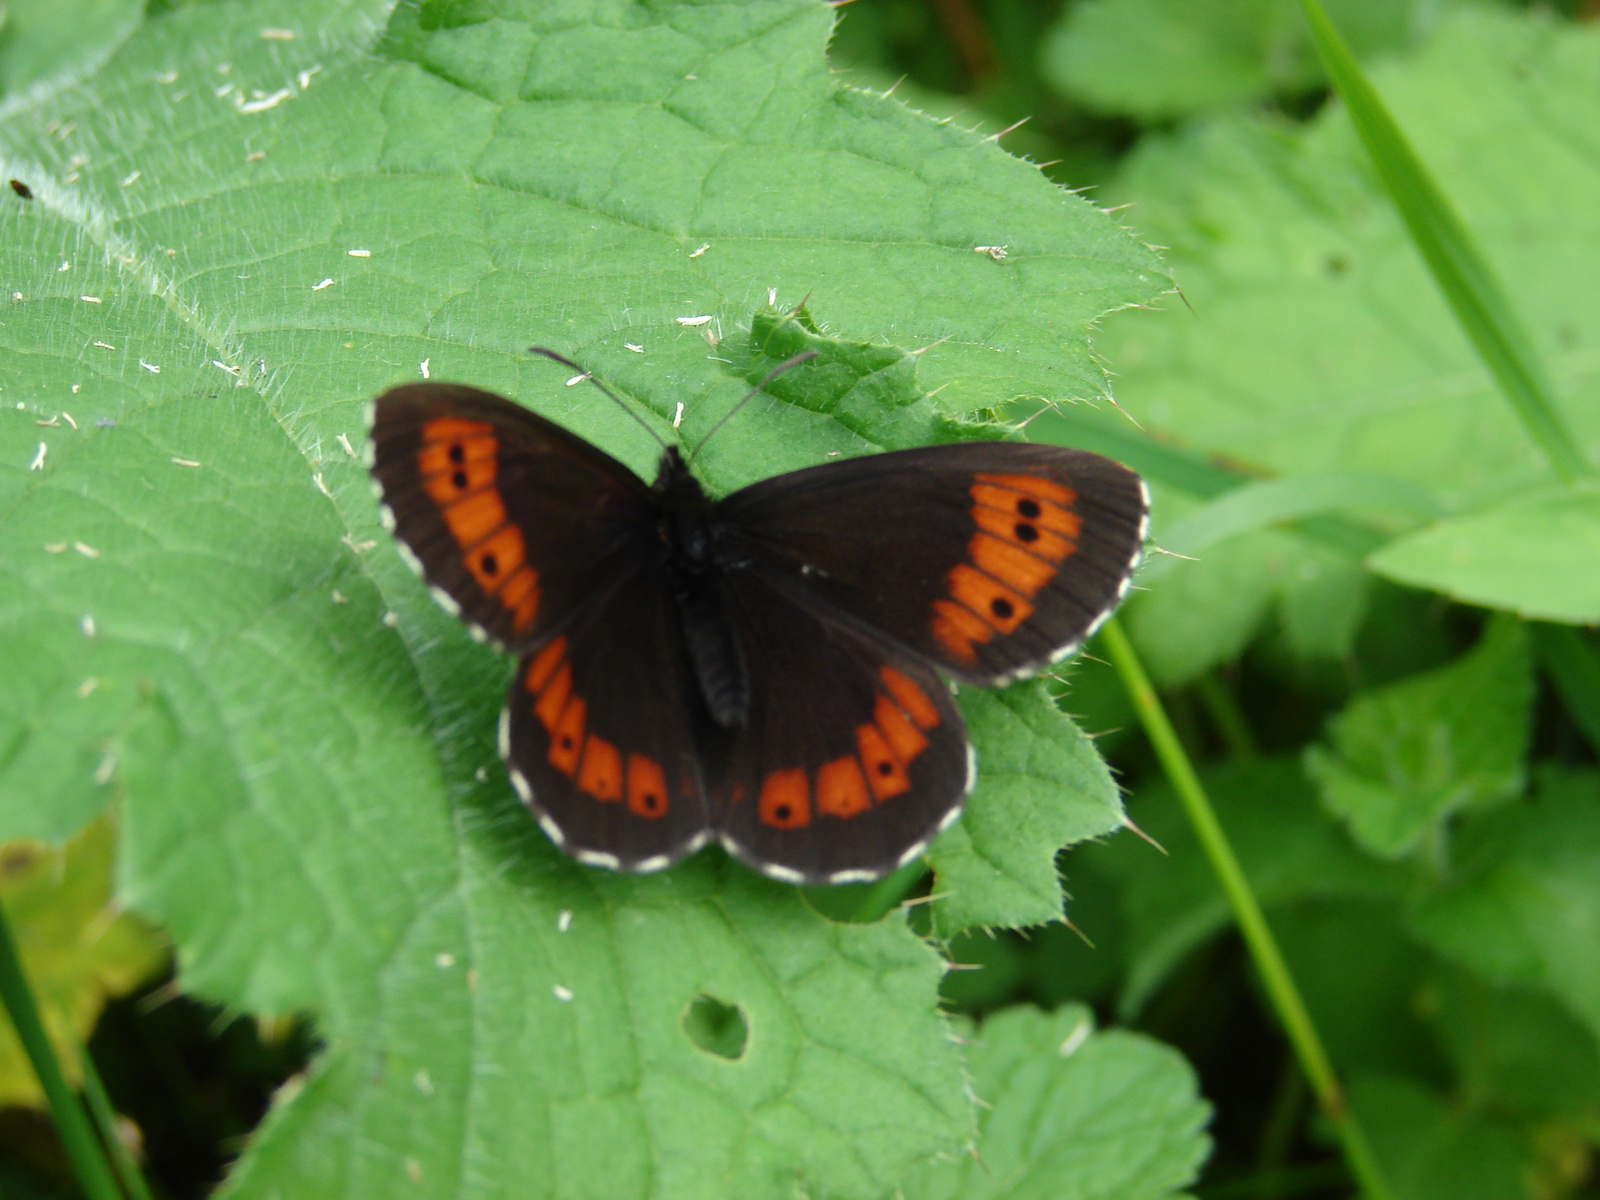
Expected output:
(698, 576)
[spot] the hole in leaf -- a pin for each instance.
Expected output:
(716, 1028)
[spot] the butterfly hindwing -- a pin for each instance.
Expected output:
(852, 758)
(514, 521)
(989, 559)
(600, 735)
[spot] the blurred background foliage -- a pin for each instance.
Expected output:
(1385, 759)
(1411, 782)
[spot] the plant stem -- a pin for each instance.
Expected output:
(1447, 246)
(105, 1119)
(83, 1150)
(1263, 947)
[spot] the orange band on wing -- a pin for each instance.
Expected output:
(992, 601)
(450, 485)
(520, 596)
(1030, 535)
(1026, 528)
(495, 559)
(905, 739)
(566, 738)
(958, 631)
(553, 698)
(544, 665)
(600, 773)
(910, 697)
(842, 788)
(785, 801)
(475, 518)
(457, 456)
(459, 462)
(1011, 565)
(647, 786)
(886, 775)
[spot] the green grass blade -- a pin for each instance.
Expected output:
(1263, 947)
(105, 1119)
(83, 1150)
(1462, 273)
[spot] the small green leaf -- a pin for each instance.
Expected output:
(1041, 786)
(1402, 758)
(1533, 554)
(1523, 906)
(1071, 1114)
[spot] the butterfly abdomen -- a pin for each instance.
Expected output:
(698, 575)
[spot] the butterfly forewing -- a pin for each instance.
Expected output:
(514, 521)
(990, 559)
(853, 755)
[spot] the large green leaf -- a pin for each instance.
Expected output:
(1403, 758)
(1071, 1114)
(248, 221)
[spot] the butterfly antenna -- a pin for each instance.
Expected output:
(623, 405)
(803, 356)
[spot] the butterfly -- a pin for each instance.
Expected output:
(765, 669)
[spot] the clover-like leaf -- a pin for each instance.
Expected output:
(246, 222)
(1406, 756)
(1071, 1114)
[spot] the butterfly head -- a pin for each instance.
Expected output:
(675, 484)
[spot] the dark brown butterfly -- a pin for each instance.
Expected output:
(763, 669)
